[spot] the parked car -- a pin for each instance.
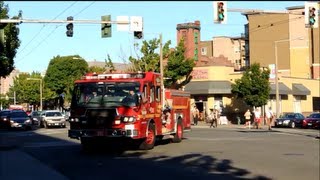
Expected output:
(20, 120)
(51, 118)
(289, 120)
(312, 121)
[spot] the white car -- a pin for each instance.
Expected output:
(52, 118)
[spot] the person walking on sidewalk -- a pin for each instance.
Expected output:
(269, 117)
(247, 116)
(195, 114)
(257, 118)
(213, 117)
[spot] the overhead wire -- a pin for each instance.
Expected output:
(45, 26)
(54, 31)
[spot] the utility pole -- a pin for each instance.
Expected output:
(161, 73)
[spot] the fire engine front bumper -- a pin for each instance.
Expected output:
(77, 134)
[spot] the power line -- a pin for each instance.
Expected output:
(84, 9)
(45, 26)
(55, 29)
(40, 32)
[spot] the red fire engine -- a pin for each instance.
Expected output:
(128, 106)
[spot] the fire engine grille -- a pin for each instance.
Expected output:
(99, 118)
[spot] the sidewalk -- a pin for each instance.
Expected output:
(202, 124)
(16, 164)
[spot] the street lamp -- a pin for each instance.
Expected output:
(38, 79)
(276, 69)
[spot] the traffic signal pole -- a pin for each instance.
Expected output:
(262, 11)
(62, 21)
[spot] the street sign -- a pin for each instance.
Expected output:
(272, 74)
(136, 23)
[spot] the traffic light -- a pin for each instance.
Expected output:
(69, 27)
(220, 14)
(138, 34)
(106, 27)
(311, 15)
(136, 25)
(220, 11)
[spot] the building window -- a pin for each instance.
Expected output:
(204, 51)
(196, 54)
(195, 34)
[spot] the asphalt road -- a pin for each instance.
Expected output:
(222, 153)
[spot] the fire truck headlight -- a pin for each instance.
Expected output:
(125, 119)
(131, 119)
(74, 119)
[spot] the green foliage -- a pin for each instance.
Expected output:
(253, 87)
(150, 58)
(8, 49)
(109, 64)
(27, 91)
(96, 69)
(178, 69)
(61, 73)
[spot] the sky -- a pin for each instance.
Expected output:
(41, 42)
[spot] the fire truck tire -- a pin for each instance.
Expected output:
(149, 142)
(179, 134)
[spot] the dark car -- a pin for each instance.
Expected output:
(36, 115)
(20, 120)
(289, 120)
(4, 122)
(312, 121)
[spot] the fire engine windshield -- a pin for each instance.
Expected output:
(106, 94)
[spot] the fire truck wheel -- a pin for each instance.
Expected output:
(179, 134)
(149, 141)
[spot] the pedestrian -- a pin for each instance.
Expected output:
(257, 118)
(247, 116)
(216, 113)
(195, 114)
(211, 117)
(270, 116)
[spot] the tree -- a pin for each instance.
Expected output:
(150, 59)
(96, 69)
(61, 73)
(109, 64)
(178, 69)
(253, 87)
(28, 91)
(9, 41)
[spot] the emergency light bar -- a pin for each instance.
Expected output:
(114, 76)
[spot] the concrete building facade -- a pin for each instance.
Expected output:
(298, 63)
(297, 46)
